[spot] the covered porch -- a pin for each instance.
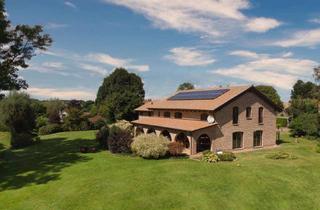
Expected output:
(195, 136)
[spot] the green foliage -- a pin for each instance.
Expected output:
(271, 93)
(17, 115)
(281, 156)
(318, 148)
(41, 121)
(210, 157)
(300, 106)
(118, 96)
(305, 124)
(49, 129)
(38, 107)
(23, 41)
(102, 137)
(304, 90)
(99, 124)
(226, 156)
(73, 121)
(150, 146)
(54, 108)
(282, 122)
(316, 74)
(186, 86)
(175, 148)
(120, 138)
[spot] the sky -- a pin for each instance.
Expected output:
(167, 42)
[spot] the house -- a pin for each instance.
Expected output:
(231, 119)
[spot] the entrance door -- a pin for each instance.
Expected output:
(203, 143)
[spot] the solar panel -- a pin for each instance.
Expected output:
(198, 95)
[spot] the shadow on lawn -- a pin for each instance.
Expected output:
(40, 163)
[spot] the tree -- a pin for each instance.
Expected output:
(317, 73)
(186, 86)
(17, 45)
(305, 124)
(303, 90)
(118, 96)
(54, 109)
(17, 115)
(271, 93)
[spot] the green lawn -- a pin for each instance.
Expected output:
(54, 175)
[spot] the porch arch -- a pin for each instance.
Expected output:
(203, 143)
(139, 131)
(166, 134)
(183, 139)
(151, 130)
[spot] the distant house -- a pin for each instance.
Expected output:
(232, 118)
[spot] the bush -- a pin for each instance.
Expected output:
(282, 122)
(102, 137)
(175, 148)
(150, 146)
(120, 139)
(305, 124)
(41, 121)
(210, 157)
(99, 124)
(49, 129)
(124, 125)
(226, 156)
(281, 155)
(17, 115)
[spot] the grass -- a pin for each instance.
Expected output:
(54, 175)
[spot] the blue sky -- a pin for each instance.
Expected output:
(167, 42)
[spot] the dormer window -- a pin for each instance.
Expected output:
(178, 115)
(235, 115)
(166, 114)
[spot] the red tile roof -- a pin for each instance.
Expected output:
(177, 124)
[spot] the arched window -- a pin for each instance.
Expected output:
(257, 139)
(166, 114)
(178, 115)
(235, 115)
(151, 130)
(260, 115)
(237, 140)
(204, 117)
(248, 112)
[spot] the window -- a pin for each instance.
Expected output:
(159, 114)
(178, 115)
(248, 112)
(235, 115)
(260, 115)
(166, 114)
(237, 140)
(150, 114)
(257, 139)
(204, 117)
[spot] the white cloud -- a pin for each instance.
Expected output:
(51, 68)
(70, 4)
(261, 25)
(94, 69)
(279, 72)
(306, 38)
(116, 62)
(244, 53)
(188, 56)
(62, 93)
(56, 25)
(315, 20)
(209, 18)
(287, 54)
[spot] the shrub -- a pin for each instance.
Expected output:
(99, 124)
(102, 137)
(175, 148)
(120, 139)
(17, 115)
(226, 156)
(124, 125)
(49, 129)
(305, 124)
(210, 157)
(282, 122)
(281, 155)
(150, 146)
(41, 121)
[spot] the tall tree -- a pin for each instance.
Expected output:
(186, 86)
(303, 90)
(18, 44)
(271, 93)
(118, 96)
